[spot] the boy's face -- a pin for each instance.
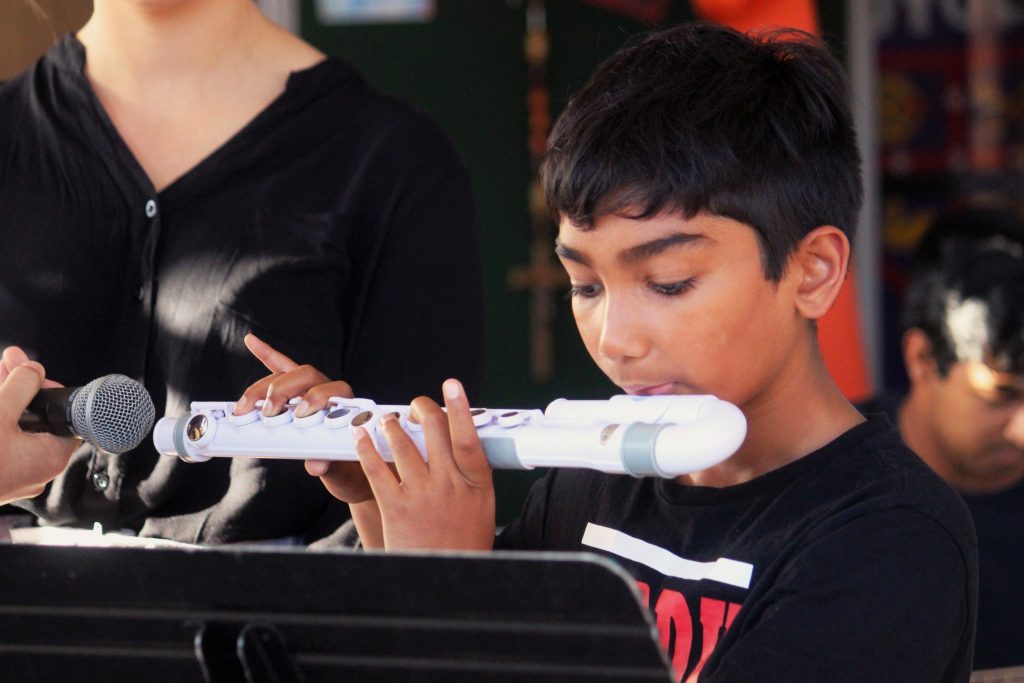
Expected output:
(669, 305)
(977, 422)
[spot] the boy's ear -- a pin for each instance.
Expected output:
(820, 264)
(918, 356)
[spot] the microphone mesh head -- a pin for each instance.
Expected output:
(113, 412)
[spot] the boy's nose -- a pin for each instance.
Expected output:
(1014, 431)
(624, 331)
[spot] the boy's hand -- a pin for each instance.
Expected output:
(27, 461)
(345, 480)
(446, 502)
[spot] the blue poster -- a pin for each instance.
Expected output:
(375, 11)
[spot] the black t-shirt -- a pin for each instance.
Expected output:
(999, 522)
(338, 225)
(853, 563)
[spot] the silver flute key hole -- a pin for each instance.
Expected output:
(362, 418)
(196, 427)
(607, 432)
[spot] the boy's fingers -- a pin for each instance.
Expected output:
(274, 360)
(317, 468)
(295, 382)
(18, 390)
(345, 480)
(277, 389)
(318, 397)
(467, 451)
(436, 436)
(407, 457)
(255, 392)
(382, 480)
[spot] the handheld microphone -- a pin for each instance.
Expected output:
(664, 436)
(113, 413)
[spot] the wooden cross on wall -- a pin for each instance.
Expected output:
(542, 277)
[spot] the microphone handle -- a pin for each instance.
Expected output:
(49, 412)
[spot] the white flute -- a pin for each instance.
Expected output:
(662, 436)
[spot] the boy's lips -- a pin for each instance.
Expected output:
(1008, 455)
(650, 389)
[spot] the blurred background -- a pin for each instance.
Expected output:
(938, 93)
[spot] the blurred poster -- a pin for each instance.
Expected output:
(951, 120)
(375, 11)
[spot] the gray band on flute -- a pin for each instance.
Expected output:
(179, 435)
(638, 449)
(501, 453)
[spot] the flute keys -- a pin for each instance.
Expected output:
(338, 416)
(481, 416)
(402, 422)
(276, 420)
(362, 418)
(512, 418)
(244, 418)
(310, 420)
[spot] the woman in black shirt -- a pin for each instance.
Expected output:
(181, 173)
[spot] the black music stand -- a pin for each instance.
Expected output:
(287, 615)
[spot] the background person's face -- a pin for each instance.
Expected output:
(977, 417)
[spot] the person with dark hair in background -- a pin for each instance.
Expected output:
(707, 185)
(963, 348)
(183, 172)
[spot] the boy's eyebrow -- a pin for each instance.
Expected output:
(565, 252)
(638, 252)
(654, 247)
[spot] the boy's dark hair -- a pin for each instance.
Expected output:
(703, 118)
(965, 288)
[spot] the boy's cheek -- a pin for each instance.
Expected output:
(589, 329)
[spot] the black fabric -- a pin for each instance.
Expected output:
(335, 225)
(999, 524)
(863, 563)
(999, 521)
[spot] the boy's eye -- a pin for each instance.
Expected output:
(1007, 393)
(672, 288)
(1000, 396)
(584, 291)
(996, 389)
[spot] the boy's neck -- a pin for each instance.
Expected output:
(793, 419)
